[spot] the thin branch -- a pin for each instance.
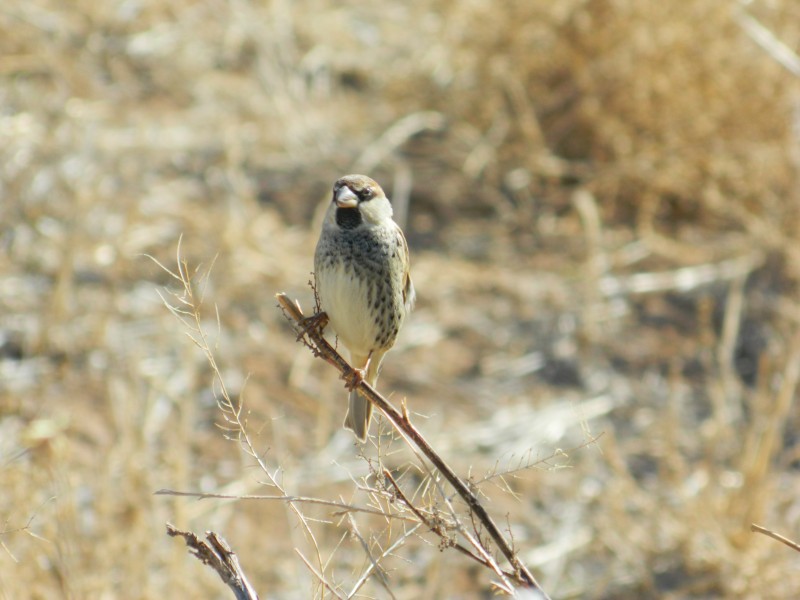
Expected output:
(311, 335)
(24, 528)
(775, 536)
(319, 575)
(374, 562)
(345, 508)
(526, 463)
(768, 41)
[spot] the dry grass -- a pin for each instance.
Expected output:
(602, 205)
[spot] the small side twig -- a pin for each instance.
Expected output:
(312, 337)
(217, 554)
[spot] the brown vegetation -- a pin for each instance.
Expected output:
(601, 199)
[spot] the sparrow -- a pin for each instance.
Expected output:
(363, 281)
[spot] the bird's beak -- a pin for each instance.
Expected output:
(345, 198)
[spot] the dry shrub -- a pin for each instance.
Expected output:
(666, 112)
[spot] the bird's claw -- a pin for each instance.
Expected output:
(314, 322)
(353, 378)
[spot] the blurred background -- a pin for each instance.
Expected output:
(601, 200)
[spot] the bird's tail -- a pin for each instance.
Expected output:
(359, 411)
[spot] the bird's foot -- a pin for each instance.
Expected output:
(314, 322)
(353, 378)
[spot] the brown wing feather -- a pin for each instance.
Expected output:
(409, 294)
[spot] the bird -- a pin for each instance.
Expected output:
(363, 282)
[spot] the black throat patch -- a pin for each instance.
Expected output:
(348, 218)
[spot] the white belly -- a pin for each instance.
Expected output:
(346, 300)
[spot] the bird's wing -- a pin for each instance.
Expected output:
(409, 294)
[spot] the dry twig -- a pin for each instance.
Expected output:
(216, 553)
(343, 506)
(775, 536)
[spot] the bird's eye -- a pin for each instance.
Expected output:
(365, 194)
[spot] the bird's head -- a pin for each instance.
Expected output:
(358, 200)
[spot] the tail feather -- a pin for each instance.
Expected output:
(359, 411)
(358, 416)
